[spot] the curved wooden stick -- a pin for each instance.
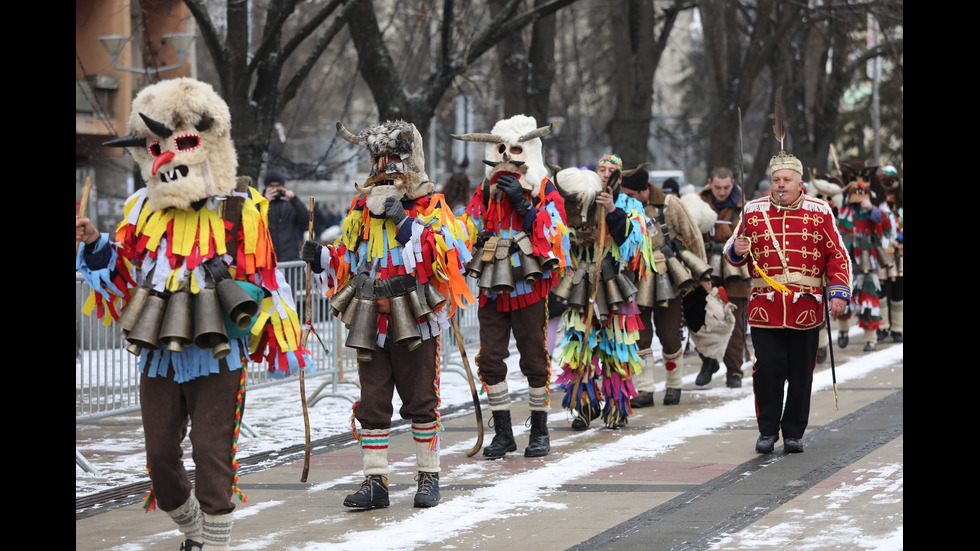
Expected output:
(306, 335)
(476, 398)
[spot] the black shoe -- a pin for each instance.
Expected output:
(842, 339)
(582, 421)
(821, 354)
(896, 336)
(793, 445)
(870, 347)
(372, 495)
(539, 443)
(428, 492)
(882, 334)
(733, 381)
(709, 366)
(191, 545)
(672, 397)
(503, 439)
(642, 399)
(765, 444)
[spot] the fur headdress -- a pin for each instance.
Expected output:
(397, 162)
(702, 213)
(180, 132)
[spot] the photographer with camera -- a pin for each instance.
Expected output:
(288, 217)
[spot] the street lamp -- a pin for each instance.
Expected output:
(180, 42)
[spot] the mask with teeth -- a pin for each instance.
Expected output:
(180, 135)
(397, 162)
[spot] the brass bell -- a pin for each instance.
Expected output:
(626, 286)
(612, 294)
(731, 274)
(475, 266)
(146, 332)
(530, 268)
(403, 327)
(645, 292)
(680, 276)
(564, 288)
(549, 263)
(433, 297)
(865, 261)
(885, 257)
(578, 298)
(420, 306)
(717, 264)
(664, 291)
(209, 325)
(177, 330)
(342, 298)
(699, 268)
(503, 277)
(238, 304)
(363, 333)
(130, 314)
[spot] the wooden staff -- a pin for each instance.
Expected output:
(469, 379)
(84, 204)
(596, 279)
(306, 335)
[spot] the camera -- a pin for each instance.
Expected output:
(279, 194)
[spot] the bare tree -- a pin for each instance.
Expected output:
(638, 38)
(454, 53)
(252, 79)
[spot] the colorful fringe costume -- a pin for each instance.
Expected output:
(431, 247)
(603, 369)
(865, 234)
(194, 227)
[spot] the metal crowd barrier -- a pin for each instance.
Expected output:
(107, 376)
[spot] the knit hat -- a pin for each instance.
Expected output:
(639, 180)
(611, 158)
(670, 186)
(274, 176)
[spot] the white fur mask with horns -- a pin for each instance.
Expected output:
(514, 145)
(180, 135)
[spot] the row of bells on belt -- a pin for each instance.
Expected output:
(885, 260)
(574, 289)
(360, 315)
(676, 274)
(151, 321)
(496, 274)
(728, 274)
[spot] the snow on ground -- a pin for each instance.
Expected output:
(275, 413)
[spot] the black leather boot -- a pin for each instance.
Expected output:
(539, 444)
(373, 493)
(503, 438)
(428, 492)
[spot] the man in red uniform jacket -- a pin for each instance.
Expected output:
(798, 260)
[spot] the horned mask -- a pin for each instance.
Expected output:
(180, 135)
(514, 146)
(397, 162)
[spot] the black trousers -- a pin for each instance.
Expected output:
(783, 355)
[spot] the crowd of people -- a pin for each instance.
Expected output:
(604, 255)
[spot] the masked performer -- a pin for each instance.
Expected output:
(609, 254)
(517, 219)
(192, 241)
(395, 276)
(866, 230)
